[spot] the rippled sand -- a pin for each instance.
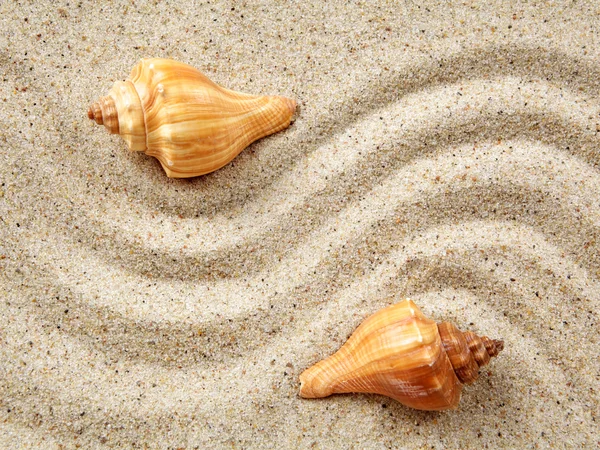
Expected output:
(447, 154)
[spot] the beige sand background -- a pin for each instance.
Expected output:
(447, 153)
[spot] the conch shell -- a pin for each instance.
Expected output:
(193, 126)
(400, 353)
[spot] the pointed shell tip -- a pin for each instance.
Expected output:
(95, 113)
(499, 344)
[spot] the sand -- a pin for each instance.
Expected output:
(448, 154)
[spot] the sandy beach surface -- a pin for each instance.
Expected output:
(450, 154)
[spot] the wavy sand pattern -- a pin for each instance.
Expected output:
(450, 155)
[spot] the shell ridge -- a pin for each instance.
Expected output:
(143, 110)
(389, 363)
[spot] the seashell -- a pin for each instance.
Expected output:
(400, 353)
(193, 126)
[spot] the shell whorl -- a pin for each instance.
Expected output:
(467, 351)
(104, 112)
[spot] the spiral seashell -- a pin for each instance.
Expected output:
(193, 126)
(400, 353)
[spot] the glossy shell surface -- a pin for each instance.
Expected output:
(193, 126)
(399, 353)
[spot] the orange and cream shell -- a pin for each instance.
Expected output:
(193, 126)
(399, 353)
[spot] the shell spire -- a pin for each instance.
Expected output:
(400, 353)
(104, 112)
(467, 351)
(193, 126)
